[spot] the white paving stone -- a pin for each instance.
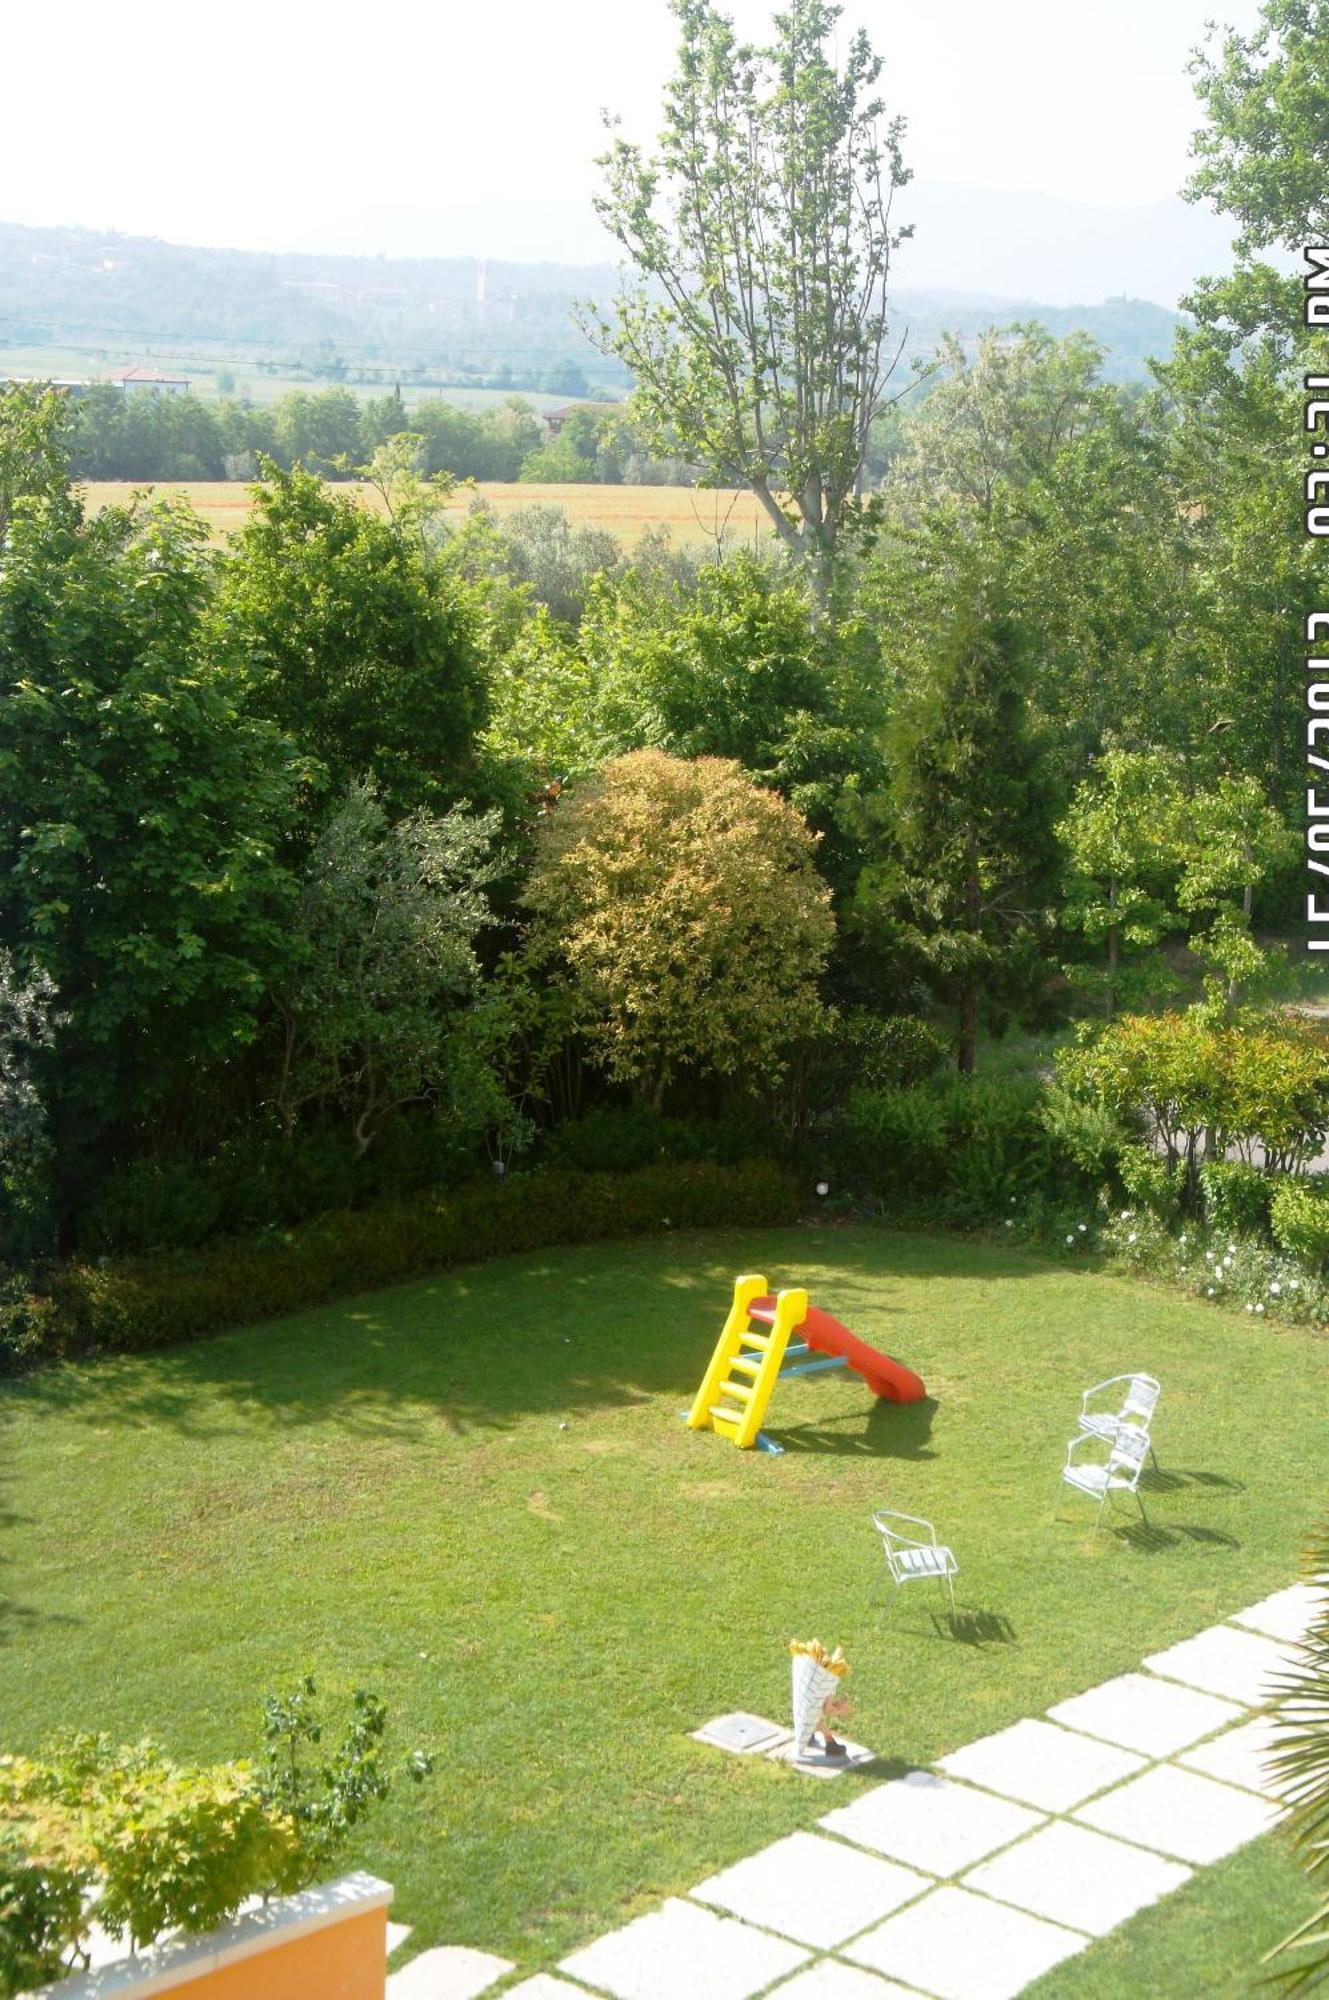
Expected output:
(544, 1987)
(829, 1981)
(930, 1823)
(1239, 1756)
(1242, 1666)
(962, 1947)
(813, 1890)
(448, 1972)
(1181, 1813)
(1285, 1615)
(683, 1950)
(1078, 1878)
(1143, 1713)
(397, 1935)
(1041, 1765)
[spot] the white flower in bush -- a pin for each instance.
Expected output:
(1209, 1291)
(1250, 1309)
(1070, 1239)
(1082, 1226)
(1259, 1305)
(1008, 1224)
(1276, 1288)
(1294, 1284)
(1133, 1237)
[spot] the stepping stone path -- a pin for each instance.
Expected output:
(969, 1882)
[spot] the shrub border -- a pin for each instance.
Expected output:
(133, 1304)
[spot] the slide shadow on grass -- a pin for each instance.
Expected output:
(885, 1430)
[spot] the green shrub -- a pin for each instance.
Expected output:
(958, 1150)
(41, 1908)
(180, 1203)
(137, 1303)
(1299, 1217)
(1152, 1184)
(172, 1846)
(1237, 1197)
(620, 1139)
(1090, 1134)
(893, 1051)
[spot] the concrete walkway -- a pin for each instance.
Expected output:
(969, 1881)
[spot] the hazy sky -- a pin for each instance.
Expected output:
(458, 129)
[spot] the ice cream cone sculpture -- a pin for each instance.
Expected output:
(816, 1674)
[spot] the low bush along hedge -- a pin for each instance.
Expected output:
(133, 1303)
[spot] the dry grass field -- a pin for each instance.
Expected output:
(690, 514)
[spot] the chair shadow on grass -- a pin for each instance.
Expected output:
(887, 1430)
(1153, 1539)
(973, 1625)
(1174, 1478)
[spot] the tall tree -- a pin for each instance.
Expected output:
(967, 809)
(761, 238)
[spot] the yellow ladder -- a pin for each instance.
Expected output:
(743, 1370)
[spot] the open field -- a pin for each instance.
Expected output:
(474, 1494)
(689, 513)
(252, 381)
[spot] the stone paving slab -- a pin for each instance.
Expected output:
(1143, 1713)
(962, 1947)
(397, 1935)
(815, 1891)
(816, 1764)
(683, 1950)
(829, 1981)
(448, 1972)
(741, 1733)
(1238, 1757)
(1041, 1765)
(1078, 1878)
(1242, 1666)
(1182, 1814)
(1285, 1615)
(930, 1822)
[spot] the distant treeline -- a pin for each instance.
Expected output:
(169, 437)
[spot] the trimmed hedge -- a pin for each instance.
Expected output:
(130, 1304)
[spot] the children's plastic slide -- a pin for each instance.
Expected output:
(884, 1375)
(747, 1362)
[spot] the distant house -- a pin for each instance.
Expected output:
(146, 381)
(556, 419)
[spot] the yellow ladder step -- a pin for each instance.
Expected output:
(748, 1367)
(743, 1389)
(761, 1341)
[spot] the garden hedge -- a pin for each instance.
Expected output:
(126, 1304)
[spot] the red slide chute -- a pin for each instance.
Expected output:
(884, 1375)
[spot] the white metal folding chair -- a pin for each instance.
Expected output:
(1134, 1407)
(1116, 1471)
(914, 1558)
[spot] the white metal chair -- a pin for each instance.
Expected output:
(1135, 1409)
(913, 1558)
(1135, 1400)
(1117, 1472)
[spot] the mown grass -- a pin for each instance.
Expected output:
(475, 1494)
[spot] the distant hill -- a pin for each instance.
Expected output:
(430, 321)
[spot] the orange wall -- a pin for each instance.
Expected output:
(345, 1961)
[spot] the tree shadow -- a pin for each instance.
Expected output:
(886, 1430)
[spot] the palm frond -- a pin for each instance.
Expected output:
(1301, 1766)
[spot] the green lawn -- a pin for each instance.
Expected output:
(475, 1495)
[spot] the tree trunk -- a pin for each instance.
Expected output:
(1112, 950)
(973, 916)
